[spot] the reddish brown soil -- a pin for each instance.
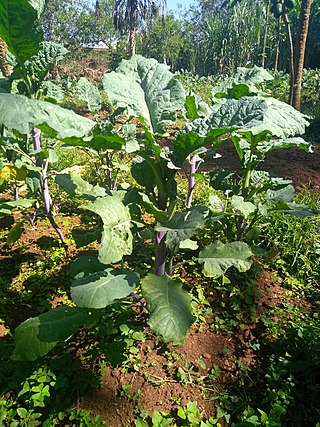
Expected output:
(211, 357)
(157, 379)
(301, 167)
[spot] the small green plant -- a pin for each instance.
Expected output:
(158, 419)
(36, 389)
(190, 414)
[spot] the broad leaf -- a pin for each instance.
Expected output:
(267, 146)
(189, 244)
(143, 173)
(6, 208)
(12, 172)
(254, 75)
(295, 209)
(249, 77)
(285, 194)
(22, 114)
(116, 236)
(219, 257)
(53, 92)
(195, 107)
(186, 143)
(84, 238)
(245, 208)
(255, 114)
(16, 232)
(40, 64)
(183, 225)
(74, 185)
(19, 27)
(85, 265)
(216, 205)
(147, 89)
(89, 93)
(37, 336)
(102, 288)
(169, 305)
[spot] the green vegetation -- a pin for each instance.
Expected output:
(173, 280)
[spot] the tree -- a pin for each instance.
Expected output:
(80, 23)
(127, 13)
(5, 68)
(162, 41)
(301, 48)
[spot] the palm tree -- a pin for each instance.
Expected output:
(301, 48)
(128, 12)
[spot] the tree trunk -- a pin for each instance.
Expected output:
(5, 68)
(301, 49)
(276, 61)
(291, 57)
(264, 46)
(132, 29)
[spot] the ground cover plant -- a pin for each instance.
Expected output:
(185, 305)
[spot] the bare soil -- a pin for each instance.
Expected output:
(301, 167)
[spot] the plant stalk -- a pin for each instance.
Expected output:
(191, 180)
(44, 186)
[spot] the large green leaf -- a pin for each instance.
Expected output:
(255, 114)
(169, 305)
(53, 91)
(267, 146)
(102, 288)
(37, 336)
(218, 257)
(183, 225)
(89, 93)
(248, 77)
(40, 64)
(74, 185)
(19, 27)
(186, 143)
(85, 265)
(116, 236)
(147, 89)
(23, 114)
(143, 172)
(245, 208)
(295, 209)
(6, 208)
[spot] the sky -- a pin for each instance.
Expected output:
(172, 4)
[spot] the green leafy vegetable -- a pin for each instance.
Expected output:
(19, 27)
(116, 236)
(219, 257)
(169, 305)
(37, 336)
(99, 289)
(147, 89)
(23, 114)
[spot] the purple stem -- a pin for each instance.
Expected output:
(161, 249)
(44, 186)
(15, 192)
(160, 253)
(191, 180)
(138, 298)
